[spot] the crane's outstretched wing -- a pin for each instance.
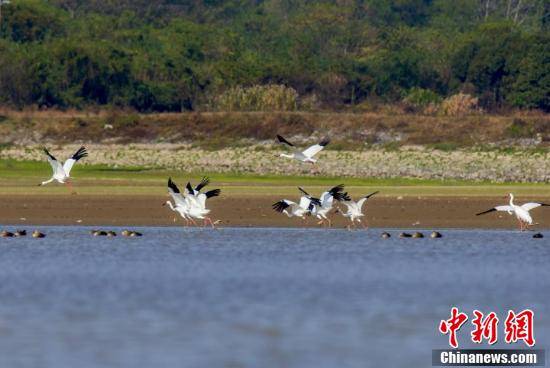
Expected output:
(213, 193)
(346, 197)
(283, 205)
(304, 192)
(68, 165)
(202, 197)
(282, 140)
(189, 189)
(204, 182)
(175, 193)
(316, 201)
(531, 205)
(362, 200)
(56, 165)
(315, 149)
(497, 208)
(336, 192)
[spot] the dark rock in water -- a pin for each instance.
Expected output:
(135, 233)
(19, 233)
(111, 233)
(538, 236)
(385, 235)
(435, 234)
(417, 235)
(99, 233)
(405, 235)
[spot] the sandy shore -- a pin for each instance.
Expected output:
(236, 210)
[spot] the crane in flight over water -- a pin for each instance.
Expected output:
(307, 154)
(521, 212)
(61, 172)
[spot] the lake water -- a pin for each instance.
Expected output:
(258, 297)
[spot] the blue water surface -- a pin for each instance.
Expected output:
(240, 297)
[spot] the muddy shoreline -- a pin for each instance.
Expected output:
(239, 211)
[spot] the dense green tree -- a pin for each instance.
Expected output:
(531, 87)
(489, 56)
(175, 55)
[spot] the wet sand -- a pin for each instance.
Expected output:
(240, 211)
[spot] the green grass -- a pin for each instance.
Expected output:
(21, 178)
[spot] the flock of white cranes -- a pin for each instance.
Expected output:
(321, 207)
(191, 203)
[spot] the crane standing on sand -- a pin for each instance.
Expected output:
(521, 212)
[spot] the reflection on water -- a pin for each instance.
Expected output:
(256, 297)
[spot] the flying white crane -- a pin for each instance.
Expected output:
(306, 155)
(323, 205)
(521, 212)
(61, 172)
(293, 209)
(355, 209)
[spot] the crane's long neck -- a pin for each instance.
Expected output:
(511, 200)
(287, 155)
(47, 181)
(170, 205)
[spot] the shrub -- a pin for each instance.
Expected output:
(520, 129)
(421, 100)
(122, 120)
(459, 105)
(310, 102)
(258, 98)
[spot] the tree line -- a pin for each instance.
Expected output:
(178, 55)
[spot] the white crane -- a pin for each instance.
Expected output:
(191, 204)
(181, 203)
(323, 205)
(306, 155)
(521, 212)
(61, 172)
(355, 209)
(293, 209)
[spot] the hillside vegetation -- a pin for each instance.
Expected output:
(216, 130)
(434, 57)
